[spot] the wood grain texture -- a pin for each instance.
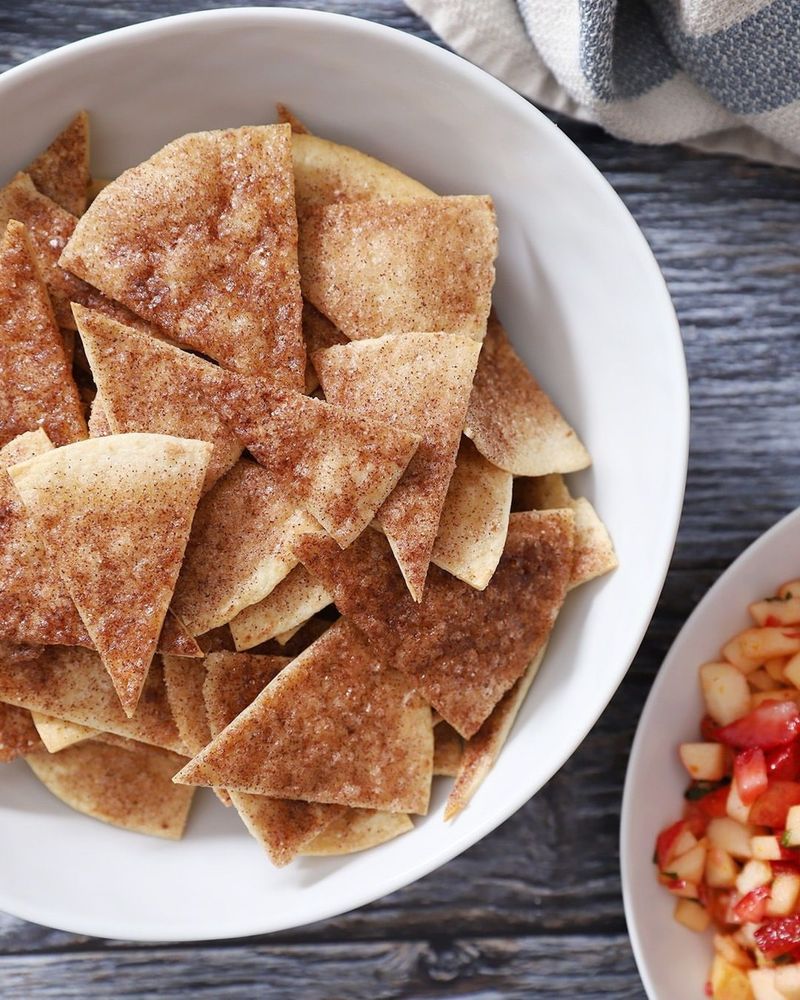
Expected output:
(535, 909)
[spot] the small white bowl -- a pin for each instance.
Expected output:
(586, 306)
(673, 961)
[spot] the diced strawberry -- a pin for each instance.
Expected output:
(772, 724)
(696, 818)
(709, 989)
(770, 808)
(752, 908)
(664, 843)
(784, 764)
(786, 866)
(708, 729)
(777, 937)
(715, 804)
(675, 884)
(771, 621)
(750, 774)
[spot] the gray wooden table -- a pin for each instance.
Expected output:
(535, 909)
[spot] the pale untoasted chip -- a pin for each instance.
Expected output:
(58, 734)
(448, 749)
(376, 267)
(151, 387)
(338, 466)
(50, 226)
(72, 684)
(461, 648)
(281, 826)
(594, 550)
(325, 172)
(62, 170)
(18, 734)
(240, 547)
(357, 830)
(115, 514)
(474, 521)
(201, 239)
(483, 749)
(332, 727)
(512, 420)
(36, 384)
(289, 606)
(419, 381)
(318, 333)
(130, 789)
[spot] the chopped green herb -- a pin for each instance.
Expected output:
(779, 600)
(699, 789)
(672, 876)
(786, 839)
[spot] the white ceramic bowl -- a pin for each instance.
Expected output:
(586, 306)
(673, 961)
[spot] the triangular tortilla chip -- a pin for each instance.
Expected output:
(332, 727)
(176, 641)
(483, 749)
(115, 513)
(130, 789)
(294, 644)
(201, 239)
(240, 547)
(58, 734)
(318, 333)
(18, 734)
(461, 648)
(358, 830)
(512, 420)
(338, 466)
(290, 604)
(98, 419)
(169, 400)
(36, 384)
(474, 521)
(281, 826)
(419, 381)
(594, 550)
(49, 227)
(325, 172)
(62, 170)
(448, 748)
(72, 684)
(286, 117)
(376, 267)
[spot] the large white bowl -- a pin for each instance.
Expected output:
(673, 961)
(586, 306)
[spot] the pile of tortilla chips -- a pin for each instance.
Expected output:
(283, 512)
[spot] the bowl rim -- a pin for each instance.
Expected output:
(50, 62)
(789, 523)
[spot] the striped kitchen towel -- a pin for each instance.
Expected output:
(720, 75)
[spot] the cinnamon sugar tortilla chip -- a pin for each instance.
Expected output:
(151, 387)
(421, 382)
(18, 734)
(318, 333)
(286, 117)
(448, 749)
(338, 466)
(132, 789)
(115, 514)
(98, 419)
(57, 734)
(62, 170)
(358, 830)
(72, 684)
(594, 550)
(201, 239)
(512, 420)
(326, 172)
(50, 226)
(36, 384)
(333, 726)
(289, 606)
(281, 826)
(377, 267)
(240, 547)
(461, 648)
(176, 641)
(474, 521)
(483, 749)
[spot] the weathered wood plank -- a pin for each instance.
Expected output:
(485, 968)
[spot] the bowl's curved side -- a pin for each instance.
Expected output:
(604, 341)
(655, 780)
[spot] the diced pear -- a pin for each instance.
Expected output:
(731, 836)
(704, 761)
(787, 981)
(692, 915)
(762, 983)
(691, 865)
(791, 837)
(784, 612)
(721, 870)
(782, 694)
(775, 668)
(754, 874)
(761, 680)
(766, 848)
(734, 806)
(684, 842)
(784, 894)
(755, 645)
(728, 982)
(732, 952)
(791, 671)
(726, 692)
